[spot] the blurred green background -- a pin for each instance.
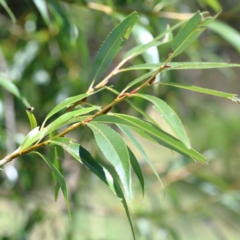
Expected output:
(47, 50)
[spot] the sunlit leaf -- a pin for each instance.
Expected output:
(60, 180)
(64, 104)
(164, 138)
(32, 119)
(32, 137)
(67, 103)
(106, 177)
(181, 66)
(190, 32)
(115, 150)
(169, 116)
(113, 44)
(63, 119)
(67, 144)
(201, 90)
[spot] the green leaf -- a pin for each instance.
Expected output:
(55, 153)
(155, 132)
(133, 159)
(139, 79)
(169, 116)
(142, 48)
(60, 180)
(32, 137)
(181, 66)
(115, 150)
(8, 10)
(69, 145)
(227, 32)
(201, 90)
(11, 87)
(190, 32)
(63, 120)
(66, 103)
(154, 43)
(200, 65)
(106, 177)
(32, 119)
(113, 44)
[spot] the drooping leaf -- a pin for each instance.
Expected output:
(133, 159)
(11, 87)
(190, 32)
(55, 153)
(169, 116)
(63, 120)
(201, 90)
(133, 139)
(113, 44)
(32, 119)
(155, 132)
(115, 150)
(60, 180)
(137, 169)
(69, 145)
(106, 177)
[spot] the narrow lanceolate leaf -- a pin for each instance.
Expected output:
(142, 48)
(64, 119)
(55, 154)
(133, 159)
(113, 44)
(139, 79)
(67, 103)
(190, 32)
(137, 169)
(11, 87)
(181, 66)
(33, 136)
(169, 116)
(60, 180)
(69, 145)
(106, 177)
(32, 119)
(154, 131)
(202, 90)
(115, 150)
